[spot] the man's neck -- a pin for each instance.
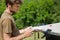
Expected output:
(8, 10)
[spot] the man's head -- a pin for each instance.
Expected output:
(13, 5)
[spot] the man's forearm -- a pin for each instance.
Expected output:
(22, 31)
(8, 37)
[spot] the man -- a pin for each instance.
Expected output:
(9, 30)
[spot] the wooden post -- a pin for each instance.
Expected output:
(34, 35)
(38, 35)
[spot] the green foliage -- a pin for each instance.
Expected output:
(2, 6)
(34, 12)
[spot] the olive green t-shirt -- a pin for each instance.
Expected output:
(8, 24)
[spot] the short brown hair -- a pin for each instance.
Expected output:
(11, 2)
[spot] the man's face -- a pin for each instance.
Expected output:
(15, 7)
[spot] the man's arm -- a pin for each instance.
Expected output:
(8, 37)
(19, 37)
(23, 30)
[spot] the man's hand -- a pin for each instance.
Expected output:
(23, 30)
(27, 28)
(28, 32)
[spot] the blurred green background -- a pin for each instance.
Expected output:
(35, 12)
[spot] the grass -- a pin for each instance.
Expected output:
(35, 37)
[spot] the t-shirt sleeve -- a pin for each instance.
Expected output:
(7, 26)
